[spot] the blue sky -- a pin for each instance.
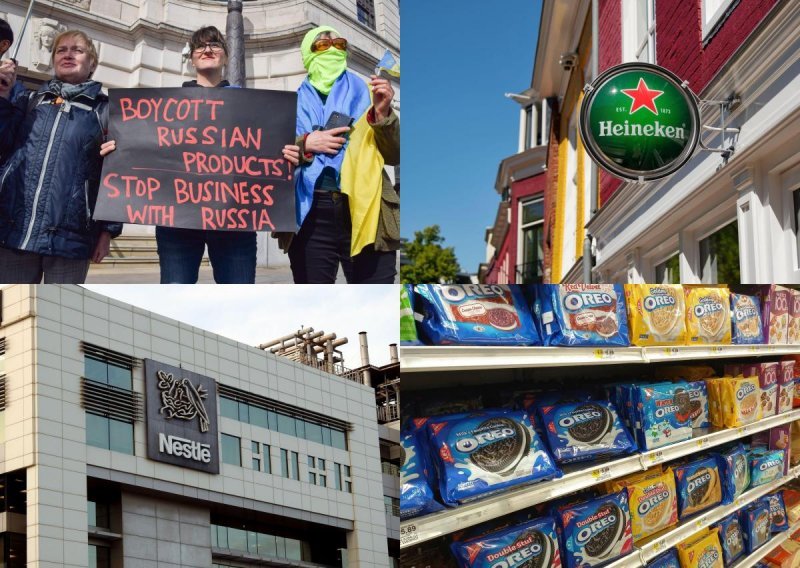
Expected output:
(459, 57)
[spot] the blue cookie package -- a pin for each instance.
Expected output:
(765, 465)
(486, 451)
(532, 543)
(416, 494)
(583, 315)
(698, 486)
(667, 560)
(734, 472)
(582, 431)
(731, 538)
(596, 531)
(475, 314)
(664, 413)
(779, 521)
(756, 524)
(746, 320)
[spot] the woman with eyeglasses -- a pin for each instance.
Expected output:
(180, 251)
(48, 185)
(347, 209)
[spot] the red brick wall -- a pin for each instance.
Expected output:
(610, 54)
(679, 38)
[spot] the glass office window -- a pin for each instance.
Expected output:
(228, 408)
(312, 462)
(231, 450)
(300, 426)
(293, 549)
(295, 466)
(338, 440)
(119, 377)
(286, 425)
(337, 471)
(314, 433)
(312, 478)
(284, 463)
(326, 436)
(267, 459)
(321, 463)
(95, 370)
(259, 417)
(267, 545)
(244, 412)
(97, 430)
(120, 436)
(237, 539)
(256, 464)
(323, 480)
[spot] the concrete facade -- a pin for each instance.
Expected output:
(163, 513)
(139, 44)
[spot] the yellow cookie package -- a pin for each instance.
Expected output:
(702, 549)
(652, 498)
(708, 315)
(656, 314)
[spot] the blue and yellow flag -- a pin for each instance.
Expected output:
(388, 63)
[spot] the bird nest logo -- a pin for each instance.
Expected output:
(182, 400)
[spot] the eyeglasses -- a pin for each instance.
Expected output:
(325, 44)
(74, 50)
(215, 46)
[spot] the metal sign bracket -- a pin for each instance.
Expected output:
(724, 106)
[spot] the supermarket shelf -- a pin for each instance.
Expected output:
(752, 559)
(463, 358)
(688, 528)
(420, 529)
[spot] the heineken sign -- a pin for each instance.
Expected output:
(639, 122)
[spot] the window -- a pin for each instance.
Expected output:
(256, 458)
(337, 470)
(530, 267)
(267, 459)
(231, 450)
(528, 126)
(719, 256)
(99, 556)
(323, 480)
(295, 466)
(109, 434)
(284, 463)
(639, 30)
(714, 12)
(107, 373)
(391, 506)
(261, 544)
(312, 478)
(284, 423)
(312, 462)
(796, 199)
(668, 272)
(365, 10)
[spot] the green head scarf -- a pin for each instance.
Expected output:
(323, 67)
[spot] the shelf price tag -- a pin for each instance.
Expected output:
(715, 349)
(702, 443)
(654, 458)
(659, 545)
(671, 351)
(741, 430)
(601, 474)
(603, 353)
(408, 534)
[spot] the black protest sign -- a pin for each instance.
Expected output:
(200, 158)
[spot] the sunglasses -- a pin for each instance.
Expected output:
(325, 44)
(215, 46)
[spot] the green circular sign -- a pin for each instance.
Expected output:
(639, 122)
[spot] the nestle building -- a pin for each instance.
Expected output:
(130, 439)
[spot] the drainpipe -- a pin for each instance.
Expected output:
(587, 239)
(362, 340)
(234, 34)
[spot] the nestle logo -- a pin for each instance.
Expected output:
(184, 448)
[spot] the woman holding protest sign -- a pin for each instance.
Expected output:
(347, 209)
(180, 251)
(48, 185)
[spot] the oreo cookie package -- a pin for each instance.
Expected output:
(532, 544)
(583, 315)
(416, 494)
(664, 411)
(581, 431)
(746, 314)
(731, 538)
(667, 560)
(698, 486)
(765, 465)
(777, 511)
(702, 550)
(475, 314)
(734, 472)
(485, 452)
(596, 531)
(756, 524)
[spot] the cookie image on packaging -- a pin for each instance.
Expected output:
(708, 315)
(501, 457)
(733, 542)
(701, 488)
(596, 531)
(746, 316)
(656, 314)
(601, 544)
(698, 486)
(594, 429)
(531, 544)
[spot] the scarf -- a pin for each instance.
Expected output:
(67, 91)
(323, 67)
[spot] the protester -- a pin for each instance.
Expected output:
(6, 40)
(180, 251)
(49, 183)
(348, 211)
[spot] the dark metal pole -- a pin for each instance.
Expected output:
(234, 32)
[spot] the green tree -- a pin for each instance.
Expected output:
(429, 261)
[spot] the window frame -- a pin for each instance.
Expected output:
(521, 228)
(632, 46)
(712, 21)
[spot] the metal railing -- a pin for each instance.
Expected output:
(388, 413)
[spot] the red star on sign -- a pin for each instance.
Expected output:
(643, 97)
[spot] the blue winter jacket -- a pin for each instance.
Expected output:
(50, 179)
